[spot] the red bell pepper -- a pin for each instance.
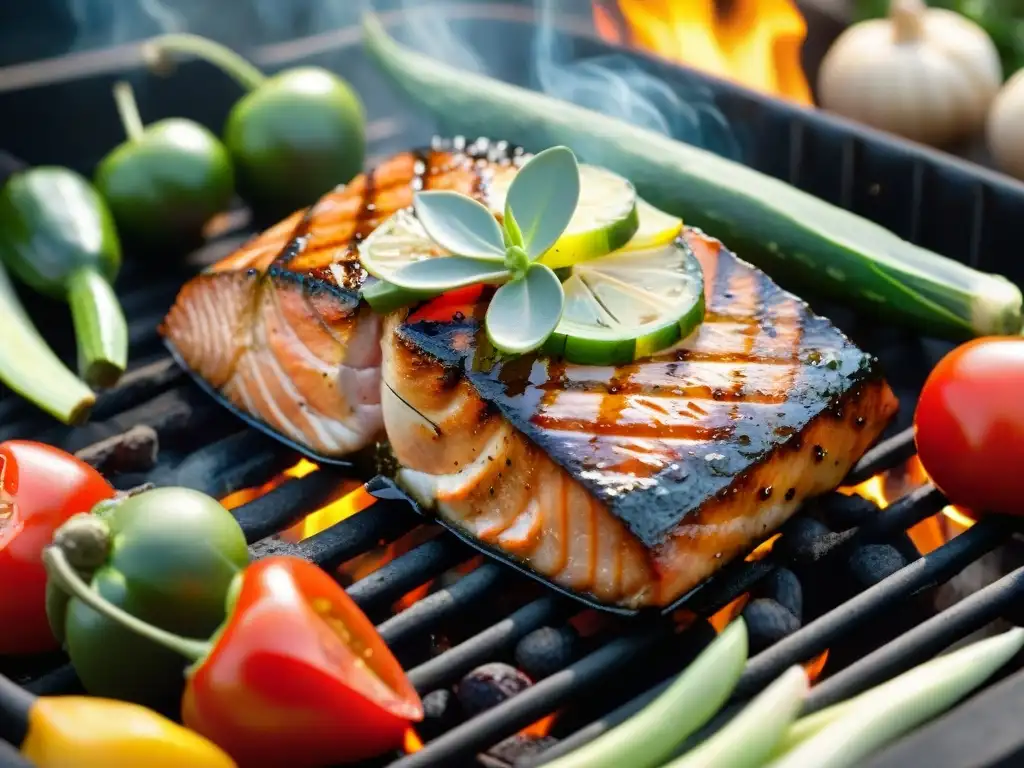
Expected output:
(40, 488)
(296, 676)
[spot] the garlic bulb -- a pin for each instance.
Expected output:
(928, 74)
(1006, 127)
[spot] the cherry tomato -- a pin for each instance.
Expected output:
(40, 488)
(969, 425)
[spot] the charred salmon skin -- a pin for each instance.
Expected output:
(277, 328)
(631, 485)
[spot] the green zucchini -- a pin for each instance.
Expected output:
(795, 236)
(57, 236)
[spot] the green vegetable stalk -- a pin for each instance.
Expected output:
(749, 738)
(30, 368)
(57, 235)
(846, 733)
(789, 232)
(648, 738)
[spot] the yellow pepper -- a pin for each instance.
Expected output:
(88, 732)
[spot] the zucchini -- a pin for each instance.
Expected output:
(790, 233)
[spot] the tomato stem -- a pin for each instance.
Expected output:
(128, 110)
(216, 54)
(59, 570)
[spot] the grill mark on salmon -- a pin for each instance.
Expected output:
(632, 485)
(277, 328)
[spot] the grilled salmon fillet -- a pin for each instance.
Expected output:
(277, 329)
(631, 485)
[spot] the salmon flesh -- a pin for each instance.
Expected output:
(628, 485)
(631, 485)
(277, 328)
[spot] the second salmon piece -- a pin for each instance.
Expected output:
(633, 484)
(277, 328)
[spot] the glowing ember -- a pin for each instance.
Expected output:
(411, 742)
(929, 534)
(816, 666)
(755, 43)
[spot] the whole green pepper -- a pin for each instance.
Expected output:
(167, 556)
(57, 235)
(166, 181)
(292, 137)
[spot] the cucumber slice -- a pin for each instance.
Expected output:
(606, 215)
(629, 305)
(399, 241)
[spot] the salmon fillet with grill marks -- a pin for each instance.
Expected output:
(632, 485)
(277, 328)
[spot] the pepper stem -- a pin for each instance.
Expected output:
(100, 328)
(85, 541)
(59, 570)
(128, 110)
(907, 18)
(157, 50)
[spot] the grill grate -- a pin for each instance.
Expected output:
(157, 426)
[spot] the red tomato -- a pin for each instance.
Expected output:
(40, 488)
(969, 425)
(443, 308)
(298, 676)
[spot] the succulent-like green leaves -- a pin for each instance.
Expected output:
(544, 195)
(460, 224)
(540, 204)
(448, 272)
(523, 313)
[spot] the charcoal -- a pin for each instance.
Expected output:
(138, 385)
(520, 748)
(807, 540)
(782, 586)
(841, 512)
(132, 451)
(546, 650)
(489, 685)
(767, 623)
(274, 546)
(873, 562)
(441, 712)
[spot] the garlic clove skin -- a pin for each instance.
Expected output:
(927, 74)
(1006, 127)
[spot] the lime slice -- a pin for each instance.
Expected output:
(605, 219)
(656, 228)
(629, 305)
(400, 240)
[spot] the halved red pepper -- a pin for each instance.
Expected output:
(40, 488)
(296, 676)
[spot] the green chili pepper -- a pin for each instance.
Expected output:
(166, 181)
(167, 556)
(57, 235)
(292, 137)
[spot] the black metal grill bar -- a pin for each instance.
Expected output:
(451, 665)
(242, 460)
(426, 614)
(406, 572)
(921, 643)
(813, 638)
(383, 522)
(884, 456)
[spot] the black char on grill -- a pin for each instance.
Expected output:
(630, 485)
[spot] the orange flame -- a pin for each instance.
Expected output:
(541, 728)
(411, 741)
(756, 43)
(929, 534)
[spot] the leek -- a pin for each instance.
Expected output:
(750, 737)
(857, 728)
(787, 231)
(648, 738)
